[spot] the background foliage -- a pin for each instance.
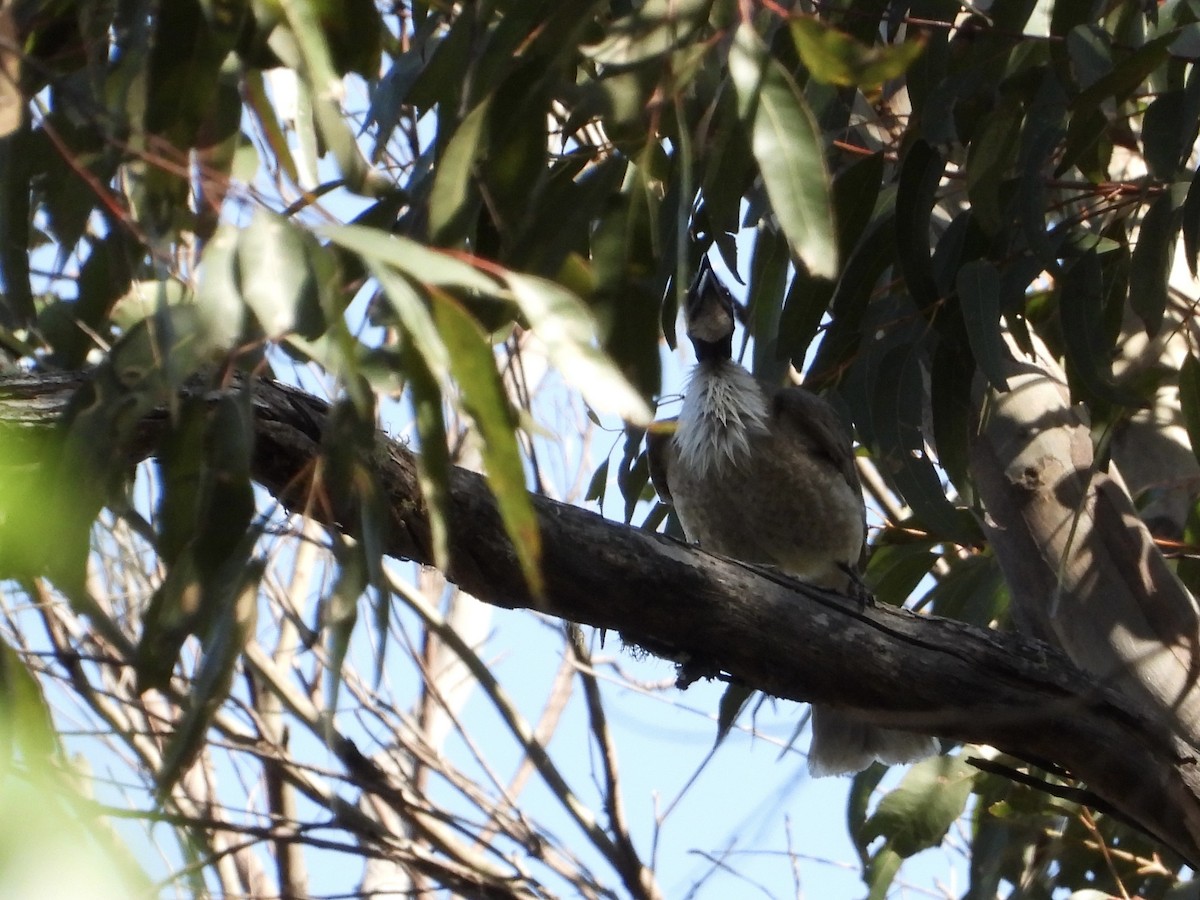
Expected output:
(465, 220)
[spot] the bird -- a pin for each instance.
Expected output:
(766, 475)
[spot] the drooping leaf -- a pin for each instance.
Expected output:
(567, 330)
(978, 285)
(1088, 352)
(654, 28)
(990, 160)
(474, 368)
(920, 174)
(433, 462)
(787, 146)
(896, 423)
(425, 265)
(230, 626)
(1189, 399)
(733, 701)
(919, 811)
(219, 308)
(452, 197)
(768, 275)
(972, 591)
(277, 278)
(895, 569)
(834, 57)
(1151, 264)
(26, 724)
(871, 258)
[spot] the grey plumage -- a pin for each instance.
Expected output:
(768, 476)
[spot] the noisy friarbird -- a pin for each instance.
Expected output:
(767, 475)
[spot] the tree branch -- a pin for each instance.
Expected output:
(793, 641)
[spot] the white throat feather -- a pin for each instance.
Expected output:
(723, 405)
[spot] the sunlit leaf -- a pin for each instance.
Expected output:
(567, 330)
(919, 811)
(425, 265)
(219, 307)
(656, 27)
(788, 148)
(276, 278)
(835, 57)
(474, 368)
(450, 201)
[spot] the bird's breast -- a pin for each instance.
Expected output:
(779, 505)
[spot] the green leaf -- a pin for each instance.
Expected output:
(339, 611)
(1189, 399)
(1190, 223)
(834, 57)
(412, 312)
(219, 309)
(657, 27)
(16, 163)
(25, 719)
(1167, 134)
(921, 809)
(786, 143)
(474, 368)
(894, 570)
(1150, 268)
(231, 625)
(563, 324)
(852, 297)
(896, 420)
(425, 265)
(881, 872)
(768, 275)
(1088, 352)
(433, 462)
(277, 279)
(451, 199)
(920, 175)
(325, 87)
(598, 485)
(990, 160)
(973, 591)
(978, 285)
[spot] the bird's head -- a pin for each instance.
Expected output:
(711, 313)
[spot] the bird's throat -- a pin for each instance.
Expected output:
(723, 408)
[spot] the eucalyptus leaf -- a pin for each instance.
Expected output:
(787, 145)
(568, 332)
(474, 368)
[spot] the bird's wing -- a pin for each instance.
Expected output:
(820, 427)
(659, 449)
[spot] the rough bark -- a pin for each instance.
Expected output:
(897, 669)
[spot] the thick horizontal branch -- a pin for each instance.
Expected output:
(897, 669)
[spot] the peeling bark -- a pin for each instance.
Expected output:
(892, 667)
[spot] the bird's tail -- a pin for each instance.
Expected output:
(843, 744)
